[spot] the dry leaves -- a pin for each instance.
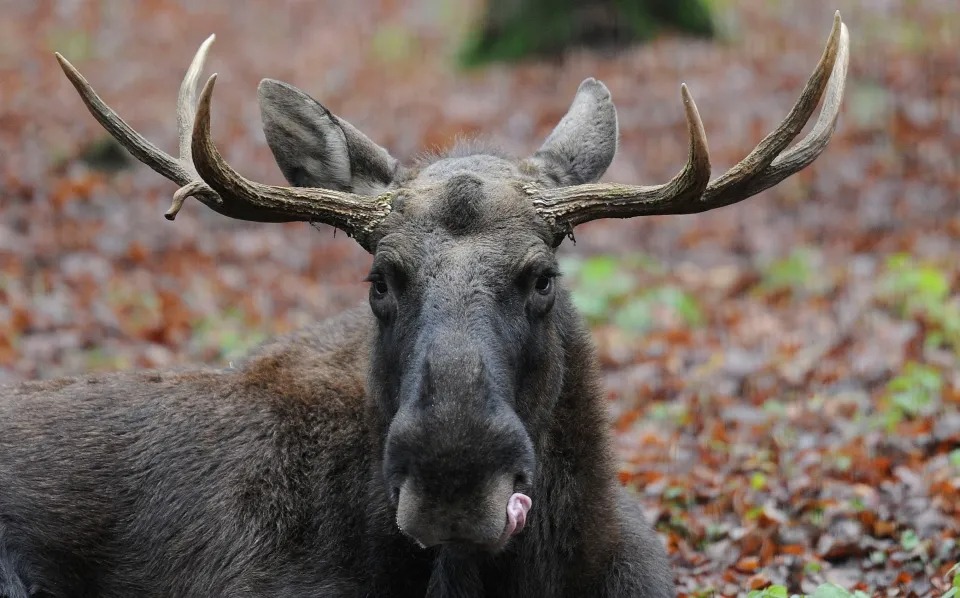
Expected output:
(782, 373)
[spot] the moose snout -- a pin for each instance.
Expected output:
(460, 480)
(475, 492)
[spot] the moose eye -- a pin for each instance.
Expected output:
(544, 284)
(382, 296)
(380, 288)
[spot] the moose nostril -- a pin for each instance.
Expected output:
(520, 481)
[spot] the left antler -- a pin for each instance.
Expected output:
(689, 192)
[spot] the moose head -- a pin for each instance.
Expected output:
(466, 363)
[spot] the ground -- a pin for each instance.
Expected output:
(783, 373)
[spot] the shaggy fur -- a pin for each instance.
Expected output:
(278, 477)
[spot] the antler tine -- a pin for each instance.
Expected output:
(806, 151)
(136, 143)
(187, 100)
(357, 215)
(178, 171)
(566, 207)
(762, 168)
(754, 173)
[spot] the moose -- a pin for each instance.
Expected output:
(449, 439)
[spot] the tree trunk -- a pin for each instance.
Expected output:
(514, 29)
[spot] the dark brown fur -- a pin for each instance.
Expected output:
(243, 482)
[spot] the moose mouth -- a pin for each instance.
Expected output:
(516, 519)
(426, 531)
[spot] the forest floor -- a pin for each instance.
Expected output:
(783, 373)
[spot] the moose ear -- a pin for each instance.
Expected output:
(314, 148)
(581, 147)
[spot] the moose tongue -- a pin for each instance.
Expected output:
(517, 508)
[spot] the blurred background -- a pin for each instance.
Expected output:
(782, 373)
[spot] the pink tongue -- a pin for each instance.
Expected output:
(517, 508)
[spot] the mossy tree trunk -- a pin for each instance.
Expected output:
(514, 29)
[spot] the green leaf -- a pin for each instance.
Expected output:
(916, 287)
(603, 271)
(636, 315)
(843, 462)
(769, 592)
(593, 306)
(777, 591)
(915, 390)
(597, 283)
(673, 493)
(829, 590)
(799, 272)
(955, 458)
(909, 540)
(681, 302)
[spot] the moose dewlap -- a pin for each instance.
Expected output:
(447, 439)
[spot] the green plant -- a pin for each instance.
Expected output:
(758, 481)
(915, 286)
(799, 273)
(769, 592)
(597, 283)
(916, 391)
(954, 590)
(605, 290)
(909, 540)
(922, 290)
(955, 458)
(829, 590)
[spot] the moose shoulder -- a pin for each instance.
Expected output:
(449, 439)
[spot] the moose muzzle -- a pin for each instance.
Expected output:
(459, 461)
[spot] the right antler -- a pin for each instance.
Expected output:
(217, 185)
(181, 170)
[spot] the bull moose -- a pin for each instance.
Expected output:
(450, 439)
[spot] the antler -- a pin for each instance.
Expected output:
(221, 189)
(689, 192)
